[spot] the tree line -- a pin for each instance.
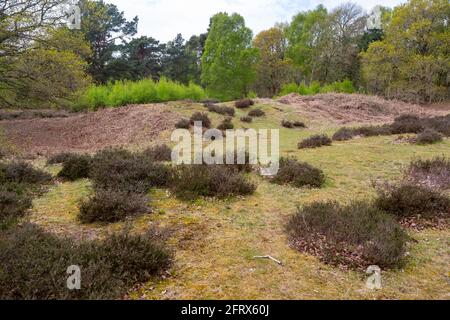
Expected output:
(42, 62)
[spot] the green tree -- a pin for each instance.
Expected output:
(273, 69)
(416, 51)
(103, 26)
(228, 60)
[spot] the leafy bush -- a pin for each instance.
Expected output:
(121, 93)
(408, 200)
(13, 202)
(224, 110)
(158, 153)
(246, 119)
(345, 86)
(34, 264)
(428, 136)
(76, 167)
(183, 124)
(406, 123)
(22, 172)
(434, 172)
(256, 113)
(191, 181)
(119, 169)
(287, 124)
(244, 103)
(315, 141)
(226, 124)
(356, 236)
(203, 117)
(298, 174)
(111, 206)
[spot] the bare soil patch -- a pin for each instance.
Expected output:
(88, 132)
(346, 108)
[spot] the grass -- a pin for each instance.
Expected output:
(143, 91)
(216, 240)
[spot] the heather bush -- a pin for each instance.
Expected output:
(247, 119)
(256, 113)
(34, 264)
(183, 124)
(14, 201)
(428, 136)
(298, 174)
(22, 172)
(315, 141)
(299, 124)
(343, 134)
(203, 117)
(226, 124)
(191, 181)
(244, 103)
(287, 124)
(406, 123)
(158, 153)
(76, 167)
(224, 110)
(355, 236)
(409, 200)
(60, 157)
(111, 206)
(434, 172)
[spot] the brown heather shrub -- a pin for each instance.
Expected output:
(428, 136)
(111, 206)
(344, 134)
(287, 124)
(409, 200)
(192, 181)
(256, 113)
(226, 124)
(122, 170)
(315, 141)
(22, 172)
(433, 173)
(14, 201)
(406, 123)
(34, 264)
(247, 119)
(60, 157)
(244, 103)
(299, 124)
(224, 110)
(352, 236)
(203, 117)
(158, 153)
(183, 124)
(298, 174)
(76, 167)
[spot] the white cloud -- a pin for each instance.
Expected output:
(163, 19)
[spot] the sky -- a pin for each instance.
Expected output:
(164, 19)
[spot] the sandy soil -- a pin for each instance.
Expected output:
(347, 108)
(91, 131)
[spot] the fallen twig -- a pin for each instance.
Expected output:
(268, 257)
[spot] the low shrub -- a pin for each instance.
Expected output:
(287, 124)
(409, 200)
(183, 124)
(370, 131)
(60, 157)
(299, 124)
(203, 117)
(407, 123)
(22, 172)
(432, 173)
(191, 181)
(439, 123)
(226, 124)
(119, 169)
(76, 167)
(428, 136)
(298, 174)
(244, 103)
(343, 134)
(35, 262)
(355, 236)
(111, 206)
(247, 119)
(224, 110)
(158, 153)
(256, 113)
(315, 141)
(13, 202)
